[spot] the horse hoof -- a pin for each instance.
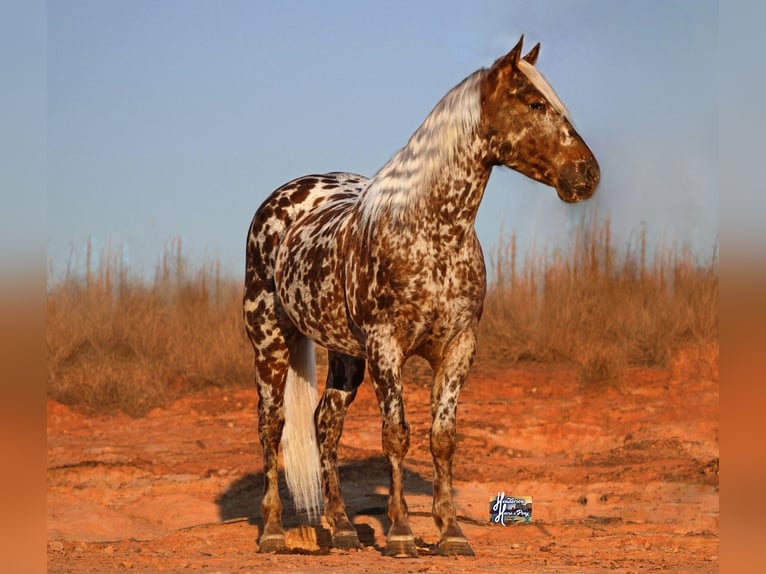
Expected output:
(270, 543)
(401, 546)
(455, 546)
(346, 540)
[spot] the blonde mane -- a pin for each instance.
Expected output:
(539, 82)
(399, 184)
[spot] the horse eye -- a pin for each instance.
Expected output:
(537, 106)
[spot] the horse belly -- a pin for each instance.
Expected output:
(309, 277)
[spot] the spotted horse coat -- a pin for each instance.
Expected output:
(377, 270)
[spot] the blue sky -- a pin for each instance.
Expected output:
(177, 118)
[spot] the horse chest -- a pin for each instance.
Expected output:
(422, 295)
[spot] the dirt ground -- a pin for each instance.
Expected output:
(622, 479)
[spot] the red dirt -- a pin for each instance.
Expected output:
(622, 479)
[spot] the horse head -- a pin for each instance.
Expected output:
(527, 128)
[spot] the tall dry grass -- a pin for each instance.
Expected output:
(599, 308)
(118, 341)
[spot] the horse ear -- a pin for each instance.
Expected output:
(512, 57)
(503, 68)
(531, 56)
(509, 61)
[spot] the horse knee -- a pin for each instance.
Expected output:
(442, 441)
(396, 439)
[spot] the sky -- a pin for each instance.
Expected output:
(176, 119)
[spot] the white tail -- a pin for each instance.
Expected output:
(299, 443)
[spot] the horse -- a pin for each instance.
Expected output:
(378, 269)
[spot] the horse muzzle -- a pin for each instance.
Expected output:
(578, 181)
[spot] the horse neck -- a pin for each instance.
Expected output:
(435, 182)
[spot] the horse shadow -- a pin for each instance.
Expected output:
(363, 483)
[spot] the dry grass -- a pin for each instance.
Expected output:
(121, 342)
(117, 342)
(600, 309)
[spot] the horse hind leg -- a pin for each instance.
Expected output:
(270, 377)
(344, 376)
(287, 402)
(281, 358)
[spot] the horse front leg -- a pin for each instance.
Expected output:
(344, 377)
(385, 360)
(448, 380)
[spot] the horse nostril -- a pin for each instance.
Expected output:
(592, 174)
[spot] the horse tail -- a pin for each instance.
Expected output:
(299, 442)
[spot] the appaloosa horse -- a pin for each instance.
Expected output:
(380, 269)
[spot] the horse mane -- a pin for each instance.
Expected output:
(542, 85)
(400, 185)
